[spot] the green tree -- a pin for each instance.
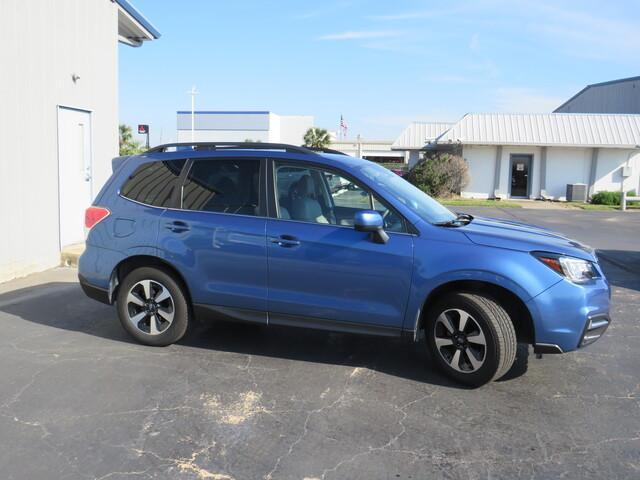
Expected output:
(317, 138)
(440, 174)
(129, 146)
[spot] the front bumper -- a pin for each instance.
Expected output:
(568, 316)
(595, 328)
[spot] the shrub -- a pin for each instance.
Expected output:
(440, 174)
(608, 198)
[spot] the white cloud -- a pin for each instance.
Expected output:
(360, 35)
(474, 43)
(416, 15)
(525, 100)
(585, 35)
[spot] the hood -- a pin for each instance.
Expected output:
(494, 232)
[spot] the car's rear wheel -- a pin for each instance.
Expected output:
(471, 338)
(152, 307)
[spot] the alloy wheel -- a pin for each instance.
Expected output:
(150, 307)
(460, 340)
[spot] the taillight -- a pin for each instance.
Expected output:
(94, 215)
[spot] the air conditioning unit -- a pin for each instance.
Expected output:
(576, 192)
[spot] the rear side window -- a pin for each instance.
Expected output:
(153, 183)
(223, 186)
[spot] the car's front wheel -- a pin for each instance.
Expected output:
(152, 307)
(471, 338)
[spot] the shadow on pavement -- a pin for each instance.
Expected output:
(64, 306)
(622, 267)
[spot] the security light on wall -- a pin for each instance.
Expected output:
(75, 77)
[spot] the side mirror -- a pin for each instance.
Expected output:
(371, 221)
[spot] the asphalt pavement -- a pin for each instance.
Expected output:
(79, 399)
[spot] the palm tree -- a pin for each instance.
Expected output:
(317, 138)
(128, 146)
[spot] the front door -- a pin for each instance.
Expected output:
(74, 172)
(322, 272)
(520, 167)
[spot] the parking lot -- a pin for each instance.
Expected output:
(79, 399)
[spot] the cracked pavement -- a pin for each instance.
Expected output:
(79, 399)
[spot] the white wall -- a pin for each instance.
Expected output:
(609, 171)
(223, 135)
(481, 161)
(566, 165)
(292, 128)
(42, 45)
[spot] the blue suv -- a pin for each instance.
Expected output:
(282, 235)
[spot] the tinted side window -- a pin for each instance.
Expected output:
(153, 183)
(224, 186)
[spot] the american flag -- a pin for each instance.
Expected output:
(343, 127)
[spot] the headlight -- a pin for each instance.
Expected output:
(574, 269)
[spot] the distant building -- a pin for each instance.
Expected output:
(413, 139)
(374, 150)
(238, 126)
(616, 96)
(537, 155)
(59, 120)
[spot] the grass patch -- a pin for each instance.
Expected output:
(593, 206)
(472, 202)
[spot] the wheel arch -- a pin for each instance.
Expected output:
(516, 308)
(127, 265)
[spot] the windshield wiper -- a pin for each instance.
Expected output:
(460, 220)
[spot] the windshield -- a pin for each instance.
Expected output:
(415, 199)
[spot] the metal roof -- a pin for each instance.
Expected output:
(416, 135)
(601, 84)
(546, 129)
(133, 27)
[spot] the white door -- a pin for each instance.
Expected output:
(74, 172)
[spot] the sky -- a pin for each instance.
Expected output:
(380, 64)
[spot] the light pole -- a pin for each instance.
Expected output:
(193, 92)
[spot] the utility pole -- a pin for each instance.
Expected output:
(193, 92)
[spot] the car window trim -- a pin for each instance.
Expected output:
(409, 229)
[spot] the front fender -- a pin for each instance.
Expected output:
(437, 263)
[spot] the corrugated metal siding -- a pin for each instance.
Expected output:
(620, 96)
(418, 134)
(569, 130)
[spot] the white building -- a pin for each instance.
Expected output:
(59, 120)
(413, 139)
(238, 126)
(537, 155)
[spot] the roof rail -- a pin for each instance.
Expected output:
(232, 146)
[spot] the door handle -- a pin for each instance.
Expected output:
(286, 241)
(177, 226)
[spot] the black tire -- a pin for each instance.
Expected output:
(497, 355)
(172, 332)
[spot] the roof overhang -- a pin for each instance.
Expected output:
(133, 27)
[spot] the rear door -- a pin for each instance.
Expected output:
(216, 236)
(323, 273)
